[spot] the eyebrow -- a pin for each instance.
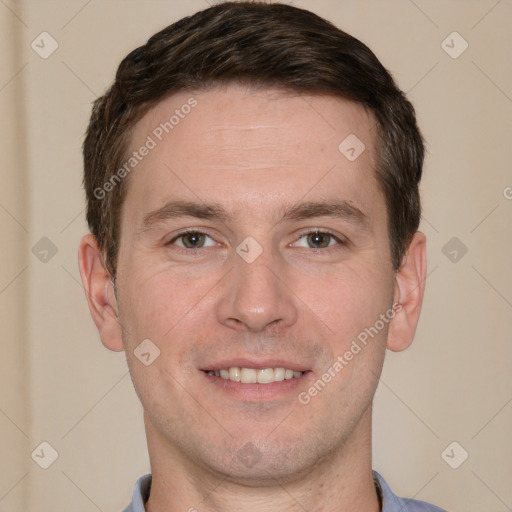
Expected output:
(338, 209)
(177, 209)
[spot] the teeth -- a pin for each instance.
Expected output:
(279, 374)
(248, 375)
(252, 375)
(234, 374)
(265, 376)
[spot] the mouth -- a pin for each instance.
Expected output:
(257, 380)
(248, 375)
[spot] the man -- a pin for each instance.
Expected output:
(252, 186)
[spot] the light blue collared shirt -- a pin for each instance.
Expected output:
(390, 502)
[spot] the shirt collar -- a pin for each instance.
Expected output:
(390, 502)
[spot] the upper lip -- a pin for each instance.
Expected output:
(256, 364)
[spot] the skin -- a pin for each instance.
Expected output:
(255, 153)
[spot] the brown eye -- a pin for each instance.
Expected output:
(192, 240)
(319, 240)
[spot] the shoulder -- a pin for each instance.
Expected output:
(392, 503)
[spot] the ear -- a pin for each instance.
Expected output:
(99, 291)
(408, 298)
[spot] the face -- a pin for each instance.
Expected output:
(252, 247)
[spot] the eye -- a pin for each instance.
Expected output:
(317, 240)
(192, 240)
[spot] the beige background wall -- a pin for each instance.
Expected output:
(59, 385)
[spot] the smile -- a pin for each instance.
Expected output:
(254, 375)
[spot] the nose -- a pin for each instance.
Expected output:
(256, 296)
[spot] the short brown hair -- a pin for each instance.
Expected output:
(257, 44)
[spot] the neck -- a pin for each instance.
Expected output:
(341, 483)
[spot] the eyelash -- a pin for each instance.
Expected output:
(182, 234)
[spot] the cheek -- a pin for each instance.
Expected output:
(346, 299)
(348, 309)
(159, 302)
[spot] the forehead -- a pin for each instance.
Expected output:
(240, 145)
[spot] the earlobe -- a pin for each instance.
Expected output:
(100, 293)
(409, 289)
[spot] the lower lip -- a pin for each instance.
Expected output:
(258, 392)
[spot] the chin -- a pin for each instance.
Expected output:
(265, 462)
